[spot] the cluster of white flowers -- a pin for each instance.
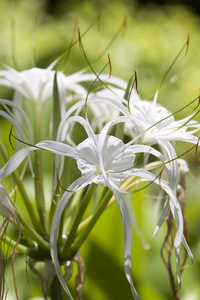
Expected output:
(102, 155)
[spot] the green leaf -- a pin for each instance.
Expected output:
(56, 107)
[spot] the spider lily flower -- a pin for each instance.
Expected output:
(104, 160)
(34, 84)
(153, 122)
(37, 86)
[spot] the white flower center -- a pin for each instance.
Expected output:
(116, 157)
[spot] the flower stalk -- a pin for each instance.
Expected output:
(80, 239)
(66, 252)
(56, 289)
(39, 187)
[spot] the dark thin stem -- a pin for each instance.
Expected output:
(167, 249)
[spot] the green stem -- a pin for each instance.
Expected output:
(68, 214)
(23, 193)
(35, 253)
(56, 121)
(78, 218)
(84, 234)
(31, 233)
(11, 243)
(39, 188)
(56, 290)
(27, 202)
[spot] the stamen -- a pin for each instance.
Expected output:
(21, 141)
(197, 145)
(197, 104)
(109, 61)
(124, 26)
(10, 134)
(173, 62)
(98, 21)
(136, 82)
(187, 45)
(58, 182)
(133, 80)
(79, 39)
(160, 174)
(59, 59)
(60, 185)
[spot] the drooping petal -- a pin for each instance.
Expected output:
(75, 186)
(135, 222)
(19, 156)
(176, 212)
(171, 156)
(127, 229)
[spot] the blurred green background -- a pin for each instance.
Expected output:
(34, 33)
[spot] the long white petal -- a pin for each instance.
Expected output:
(21, 113)
(76, 185)
(19, 156)
(176, 212)
(162, 217)
(127, 228)
(135, 223)
(187, 248)
(173, 165)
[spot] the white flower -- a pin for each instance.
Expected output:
(117, 159)
(34, 84)
(153, 122)
(155, 125)
(107, 161)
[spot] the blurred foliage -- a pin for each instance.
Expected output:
(35, 33)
